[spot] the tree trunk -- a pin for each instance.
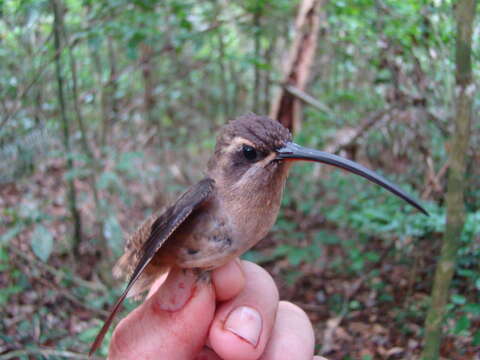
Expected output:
(71, 192)
(223, 76)
(109, 103)
(286, 108)
(112, 82)
(257, 51)
(269, 53)
(148, 82)
(465, 90)
(92, 161)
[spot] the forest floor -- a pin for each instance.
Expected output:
(374, 316)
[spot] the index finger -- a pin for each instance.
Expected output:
(228, 280)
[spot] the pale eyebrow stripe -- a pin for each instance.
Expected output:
(237, 140)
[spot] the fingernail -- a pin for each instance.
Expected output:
(176, 291)
(246, 323)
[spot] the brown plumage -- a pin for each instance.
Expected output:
(126, 264)
(229, 211)
(265, 133)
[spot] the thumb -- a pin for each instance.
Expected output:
(171, 324)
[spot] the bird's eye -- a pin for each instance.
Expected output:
(249, 152)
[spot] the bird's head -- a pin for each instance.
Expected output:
(246, 150)
(255, 152)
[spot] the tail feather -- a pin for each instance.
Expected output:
(134, 289)
(146, 280)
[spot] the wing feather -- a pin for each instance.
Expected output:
(161, 229)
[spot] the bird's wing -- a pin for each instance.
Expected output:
(161, 229)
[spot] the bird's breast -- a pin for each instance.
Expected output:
(222, 229)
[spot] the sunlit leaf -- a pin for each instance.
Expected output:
(42, 242)
(462, 325)
(472, 308)
(114, 234)
(458, 299)
(11, 233)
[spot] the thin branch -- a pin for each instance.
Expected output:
(365, 125)
(27, 88)
(433, 180)
(306, 98)
(58, 273)
(74, 299)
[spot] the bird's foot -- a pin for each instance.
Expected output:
(203, 276)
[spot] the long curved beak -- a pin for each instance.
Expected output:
(292, 151)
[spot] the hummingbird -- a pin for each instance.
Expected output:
(229, 211)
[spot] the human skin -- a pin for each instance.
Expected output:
(236, 316)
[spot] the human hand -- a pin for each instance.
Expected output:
(235, 316)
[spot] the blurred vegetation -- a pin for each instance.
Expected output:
(146, 84)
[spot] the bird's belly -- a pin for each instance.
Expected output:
(212, 249)
(208, 252)
(204, 242)
(212, 238)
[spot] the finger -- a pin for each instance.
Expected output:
(228, 280)
(171, 324)
(292, 336)
(242, 326)
(156, 285)
(207, 354)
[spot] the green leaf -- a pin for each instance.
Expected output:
(476, 338)
(4, 259)
(466, 272)
(292, 276)
(76, 173)
(5, 293)
(11, 233)
(253, 256)
(282, 250)
(107, 179)
(296, 256)
(354, 305)
(42, 242)
(324, 237)
(472, 308)
(88, 335)
(126, 161)
(114, 234)
(462, 325)
(372, 256)
(458, 299)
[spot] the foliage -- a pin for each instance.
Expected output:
(148, 82)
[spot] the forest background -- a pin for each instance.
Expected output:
(108, 111)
